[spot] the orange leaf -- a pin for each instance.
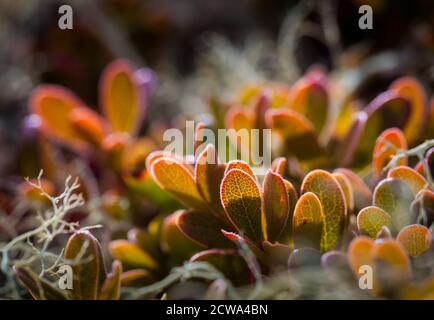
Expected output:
(411, 89)
(54, 104)
(371, 219)
(386, 146)
(121, 98)
(308, 222)
(360, 253)
(332, 199)
(415, 180)
(276, 205)
(415, 238)
(172, 175)
(309, 97)
(131, 254)
(241, 200)
(88, 125)
(279, 165)
(296, 132)
(241, 165)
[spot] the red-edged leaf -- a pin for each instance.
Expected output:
(415, 238)
(415, 180)
(276, 205)
(54, 104)
(241, 199)
(387, 145)
(362, 193)
(173, 176)
(332, 199)
(308, 222)
(121, 98)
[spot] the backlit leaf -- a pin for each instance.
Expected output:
(276, 205)
(89, 125)
(415, 238)
(208, 176)
(121, 99)
(411, 89)
(347, 189)
(362, 193)
(241, 165)
(332, 199)
(172, 176)
(371, 219)
(387, 145)
(241, 199)
(308, 222)
(415, 180)
(297, 133)
(360, 253)
(54, 104)
(111, 289)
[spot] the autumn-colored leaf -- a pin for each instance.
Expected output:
(172, 176)
(286, 234)
(297, 133)
(415, 238)
(411, 89)
(394, 196)
(309, 97)
(371, 219)
(131, 254)
(121, 98)
(387, 145)
(276, 205)
(241, 165)
(88, 275)
(332, 199)
(347, 189)
(203, 228)
(360, 253)
(54, 104)
(415, 180)
(423, 207)
(392, 267)
(241, 199)
(229, 262)
(279, 166)
(208, 174)
(388, 110)
(362, 194)
(88, 125)
(111, 289)
(308, 222)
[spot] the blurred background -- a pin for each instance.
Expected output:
(202, 48)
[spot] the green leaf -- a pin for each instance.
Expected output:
(40, 289)
(395, 197)
(370, 221)
(88, 275)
